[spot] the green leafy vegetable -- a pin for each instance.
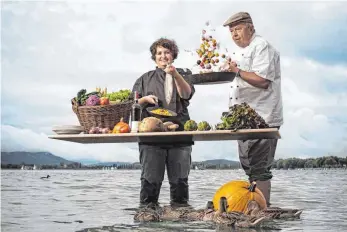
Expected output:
(119, 96)
(82, 96)
(241, 116)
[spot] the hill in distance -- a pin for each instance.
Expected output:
(46, 158)
(37, 158)
(221, 161)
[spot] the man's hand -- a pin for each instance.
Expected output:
(233, 67)
(249, 77)
(229, 66)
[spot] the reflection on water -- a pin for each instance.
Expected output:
(96, 200)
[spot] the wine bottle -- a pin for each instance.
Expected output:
(135, 114)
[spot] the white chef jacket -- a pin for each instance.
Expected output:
(263, 59)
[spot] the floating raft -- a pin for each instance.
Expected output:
(172, 137)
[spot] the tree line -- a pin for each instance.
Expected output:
(321, 162)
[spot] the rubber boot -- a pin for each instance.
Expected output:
(179, 193)
(265, 188)
(149, 193)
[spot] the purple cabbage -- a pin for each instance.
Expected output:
(93, 100)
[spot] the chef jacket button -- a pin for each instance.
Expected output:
(236, 98)
(234, 53)
(231, 98)
(237, 86)
(242, 54)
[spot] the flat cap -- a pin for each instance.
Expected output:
(240, 17)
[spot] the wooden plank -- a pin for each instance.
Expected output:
(172, 137)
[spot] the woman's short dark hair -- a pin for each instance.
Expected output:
(166, 43)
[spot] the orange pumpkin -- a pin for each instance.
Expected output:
(238, 193)
(121, 127)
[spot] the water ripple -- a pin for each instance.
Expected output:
(93, 200)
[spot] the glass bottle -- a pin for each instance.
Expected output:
(135, 114)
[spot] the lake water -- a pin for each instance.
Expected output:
(96, 200)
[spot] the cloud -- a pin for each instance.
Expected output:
(14, 139)
(51, 50)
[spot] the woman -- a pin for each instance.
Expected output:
(166, 87)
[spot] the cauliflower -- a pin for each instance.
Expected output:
(190, 125)
(93, 100)
(204, 126)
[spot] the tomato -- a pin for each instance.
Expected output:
(104, 101)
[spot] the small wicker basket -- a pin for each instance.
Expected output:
(105, 116)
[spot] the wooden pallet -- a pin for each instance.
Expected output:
(172, 137)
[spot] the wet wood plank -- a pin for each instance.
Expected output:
(179, 136)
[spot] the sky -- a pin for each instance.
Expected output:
(51, 50)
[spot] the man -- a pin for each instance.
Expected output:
(258, 83)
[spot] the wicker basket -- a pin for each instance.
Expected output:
(105, 116)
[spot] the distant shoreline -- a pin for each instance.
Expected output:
(48, 161)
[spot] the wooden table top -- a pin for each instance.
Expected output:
(178, 136)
